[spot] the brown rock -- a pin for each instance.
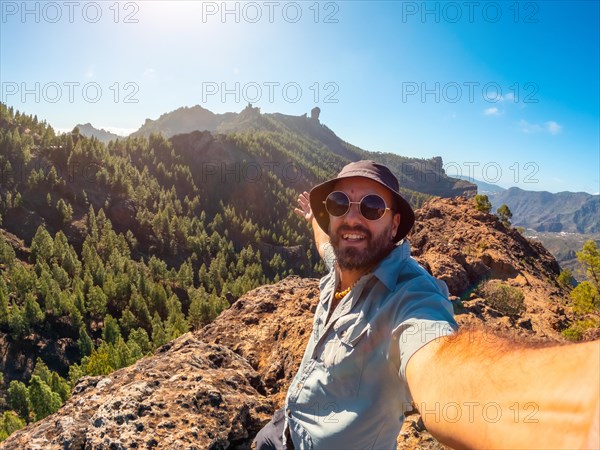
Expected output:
(193, 395)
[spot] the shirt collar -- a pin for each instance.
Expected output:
(387, 271)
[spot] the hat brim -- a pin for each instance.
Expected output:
(319, 193)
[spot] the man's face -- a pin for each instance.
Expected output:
(360, 243)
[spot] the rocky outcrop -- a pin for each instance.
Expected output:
(314, 113)
(190, 394)
(465, 247)
(215, 388)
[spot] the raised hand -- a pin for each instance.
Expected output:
(303, 209)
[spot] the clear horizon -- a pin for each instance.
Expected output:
(506, 92)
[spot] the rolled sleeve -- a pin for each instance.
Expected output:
(415, 333)
(427, 315)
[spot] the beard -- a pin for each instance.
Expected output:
(350, 258)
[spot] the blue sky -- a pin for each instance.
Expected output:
(507, 92)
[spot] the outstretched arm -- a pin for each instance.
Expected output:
(304, 211)
(476, 390)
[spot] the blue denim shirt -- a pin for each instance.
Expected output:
(350, 391)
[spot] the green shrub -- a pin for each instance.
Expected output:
(576, 331)
(9, 423)
(482, 203)
(565, 278)
(506, 299)
(586, 299)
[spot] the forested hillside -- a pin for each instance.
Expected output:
(108, 252)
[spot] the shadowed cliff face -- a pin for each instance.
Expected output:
(215, 388)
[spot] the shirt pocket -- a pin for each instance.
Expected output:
(343, 353)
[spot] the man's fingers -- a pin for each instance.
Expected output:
(304, 209)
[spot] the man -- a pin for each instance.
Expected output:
(384, 336)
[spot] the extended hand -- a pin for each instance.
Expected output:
(304, 207)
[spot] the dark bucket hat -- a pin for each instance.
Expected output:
(373, 171)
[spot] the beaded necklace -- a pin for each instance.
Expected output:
(338, 295)
(341, 294)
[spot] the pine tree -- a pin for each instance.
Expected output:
(9, 423)
(201, 311)
(84, 343)
(127, 321)
(32, 313)
(139, 336)
(60, 386)
(504, 214)
(3, 305)
(159, 337)
(589, 258)
(43, 401)
(18, 399)
(17, 324)
(96, 302)
(175, 324)
(111, 332)
(140, 311)
(42, 246)
(185, 276)
(41, 370)
(99, 362)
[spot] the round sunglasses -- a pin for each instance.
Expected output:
(371, 206)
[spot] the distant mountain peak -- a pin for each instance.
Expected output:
(88, 130)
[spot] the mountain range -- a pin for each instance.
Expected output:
(573, 212)
(417, 174)
(540, 211)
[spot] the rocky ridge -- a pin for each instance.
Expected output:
(215, 388)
